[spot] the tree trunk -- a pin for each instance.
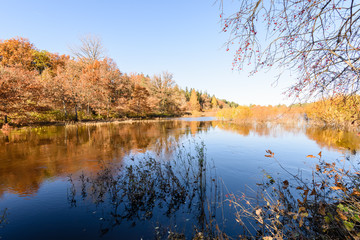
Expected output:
(64, 106)
(76, 113)
(6, 119)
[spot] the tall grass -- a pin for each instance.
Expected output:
(326, 206)
(341, 112)
(338, 112)
(249, 114)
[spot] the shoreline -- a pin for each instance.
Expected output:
(103, 121)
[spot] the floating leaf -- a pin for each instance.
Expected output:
(310, 156)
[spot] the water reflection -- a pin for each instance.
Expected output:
(31, 155)
(329, 138)
(183, 192)
(334, 139)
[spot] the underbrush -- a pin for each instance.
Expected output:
(261, 114)
(325, 207)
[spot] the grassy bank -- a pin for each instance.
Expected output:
(57, 118)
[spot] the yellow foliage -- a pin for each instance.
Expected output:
(258, 113)
(340, 111)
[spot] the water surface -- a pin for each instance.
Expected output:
(54, 184)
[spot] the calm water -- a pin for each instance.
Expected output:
(144, 180)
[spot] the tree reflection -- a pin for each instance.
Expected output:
(185, 187)
(334, 139)
(325, 137)
(31, 155)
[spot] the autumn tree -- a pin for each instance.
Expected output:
(41, 60)
(17, 52)
(205, 101)
(139, 100)
(19, 90)
(91, 49)
(66, 88)
(194, 102)
(163, 87)
(214, 102)
(319, 40)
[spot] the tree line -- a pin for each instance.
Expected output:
(37, 85)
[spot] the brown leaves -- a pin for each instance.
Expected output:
(313, 192)
(285, 184)
(270, 154)
(322, 209)
(355, 192)
(312, 156)
(339, 186)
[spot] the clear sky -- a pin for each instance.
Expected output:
(148, 36)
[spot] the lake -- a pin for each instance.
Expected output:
(146, 180)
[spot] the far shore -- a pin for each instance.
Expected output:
(111, 120)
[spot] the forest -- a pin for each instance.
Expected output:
(40, 86)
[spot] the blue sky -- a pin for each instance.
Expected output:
(182, 37)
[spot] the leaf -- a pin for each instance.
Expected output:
(301, 222)
(286, 184)
(319, 154)
(306, 191)
(313, 192)
(341, 214)
(304, 214)
(322, 209)
(310, 156)
(258, 211)
(270, 153)
(355, 192)
(349, 225)
(356, 218)
(301, 209)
